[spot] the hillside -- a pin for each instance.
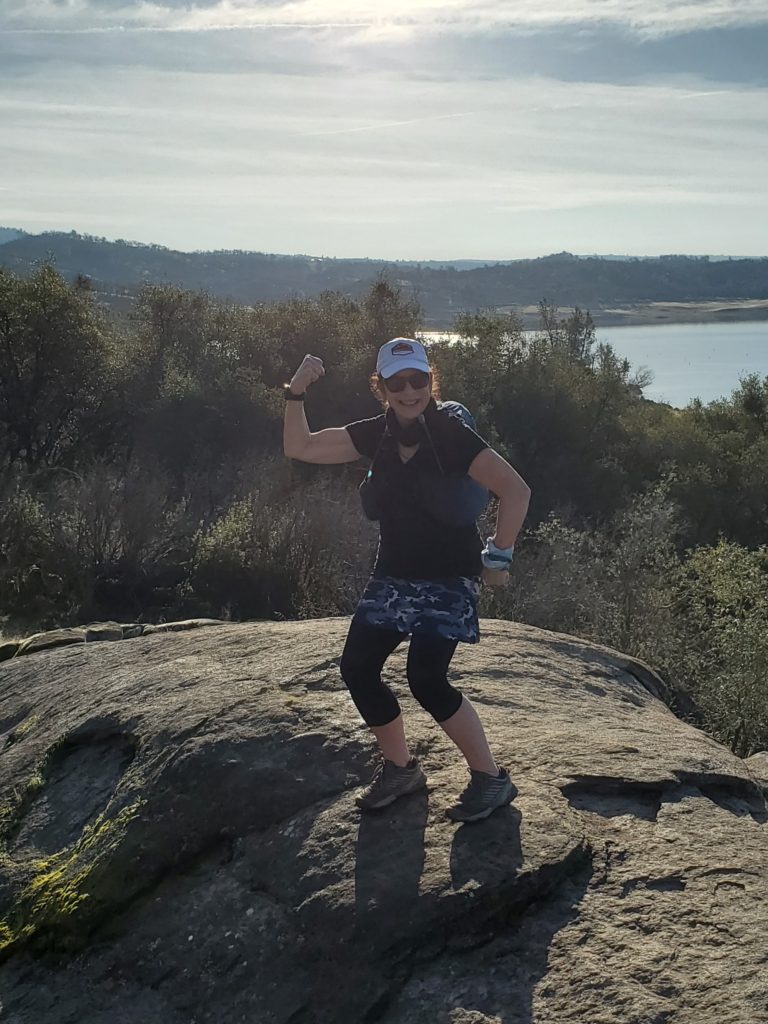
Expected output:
(10, 235)
(118, 268)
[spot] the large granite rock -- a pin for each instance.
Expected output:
(93, 632)
(180, 843)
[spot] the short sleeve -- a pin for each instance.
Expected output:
(366, 435)
(460, 444)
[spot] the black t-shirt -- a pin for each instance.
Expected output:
(412, 543)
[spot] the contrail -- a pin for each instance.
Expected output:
(386, 124)
(698, 95)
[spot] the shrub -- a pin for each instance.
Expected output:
(29, 559)
(722, 640)
(277, 552)
(608, 584)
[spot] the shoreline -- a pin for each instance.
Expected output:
(650, 313)
(646, 314)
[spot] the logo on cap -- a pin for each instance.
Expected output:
(402, 349)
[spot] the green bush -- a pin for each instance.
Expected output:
(722, 640)
(701, 619)
(283, 553)
(30, 584)
(608, 584)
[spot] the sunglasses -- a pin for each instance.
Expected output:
(417, 381)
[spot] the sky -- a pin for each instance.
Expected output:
(468, 129)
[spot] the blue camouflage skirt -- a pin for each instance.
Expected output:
(445, 608)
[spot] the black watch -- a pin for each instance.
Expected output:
(289, 395)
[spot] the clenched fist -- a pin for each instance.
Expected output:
(311, 369)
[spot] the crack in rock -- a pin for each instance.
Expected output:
(611, 796)
(671, 883)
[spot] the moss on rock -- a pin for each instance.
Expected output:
(46, 912)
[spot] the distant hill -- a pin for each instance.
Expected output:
(118, 268)
(10, 234)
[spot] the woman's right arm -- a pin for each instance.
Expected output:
(325, 447)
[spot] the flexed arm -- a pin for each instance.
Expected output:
(496, 474)
(326, 447)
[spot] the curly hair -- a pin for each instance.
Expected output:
(376, 384)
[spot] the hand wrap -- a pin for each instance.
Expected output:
(497, 558)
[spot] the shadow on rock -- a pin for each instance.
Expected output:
(488, 852)
(491, 975)
(389, 863)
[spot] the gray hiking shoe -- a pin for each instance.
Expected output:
(482, 796)
(389, 782)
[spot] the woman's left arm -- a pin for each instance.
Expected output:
(493, 472)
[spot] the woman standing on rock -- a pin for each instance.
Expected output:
(428, 567)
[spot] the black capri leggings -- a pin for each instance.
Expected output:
(366, 650)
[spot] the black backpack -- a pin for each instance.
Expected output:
(451, 499)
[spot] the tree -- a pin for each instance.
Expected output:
(198, 395)
(54, 370)
(389, 314)
(574, 336)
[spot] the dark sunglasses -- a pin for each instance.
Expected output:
(417, 381)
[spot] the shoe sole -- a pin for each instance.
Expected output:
(390, 799)
(482, 814)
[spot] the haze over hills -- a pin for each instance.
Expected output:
(9, 234)
(443, 288)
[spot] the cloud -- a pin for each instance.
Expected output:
(284, 52)
(606, 54)
(374, 22)
(211, 161)
(573, 40)
(592, 126)
(379, 125)
(596, 54)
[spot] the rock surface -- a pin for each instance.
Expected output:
(94, 631)
(181, 845)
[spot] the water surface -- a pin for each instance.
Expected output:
(693, 360)
(688, 361)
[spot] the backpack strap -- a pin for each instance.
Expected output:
(384, 434)
(459, 411)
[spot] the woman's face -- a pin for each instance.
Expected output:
(411, 401)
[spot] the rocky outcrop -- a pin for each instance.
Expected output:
(758, 766)
(92, 633)
(180, 842)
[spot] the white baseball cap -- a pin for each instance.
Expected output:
(401, 354)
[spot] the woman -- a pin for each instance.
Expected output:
(426, 578)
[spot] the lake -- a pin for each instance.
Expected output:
(693, 360)
(688, 360)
